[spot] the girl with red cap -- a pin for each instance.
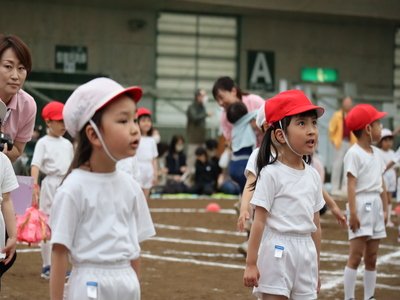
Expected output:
(287, 200)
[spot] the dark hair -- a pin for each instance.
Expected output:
(83, 146)
(200, 151)
(162, 148)
(174, 141)
(211, 144)
(226, 83)
(19, 47)
(235, 111)
(150, 133)
(265, 155)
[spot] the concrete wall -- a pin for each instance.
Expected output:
(361, 49)
(113, 48)
(361, 52)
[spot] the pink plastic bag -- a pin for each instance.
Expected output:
(33, 227)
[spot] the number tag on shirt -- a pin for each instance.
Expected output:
(368, 206)
(279, 251)
(91, 289)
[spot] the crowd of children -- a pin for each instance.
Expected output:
(106, 182)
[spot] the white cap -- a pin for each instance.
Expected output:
(90, 97)
(260, 118)
(386, 132)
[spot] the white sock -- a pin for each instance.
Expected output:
(350, 277)
(46, 253)
(369, 284)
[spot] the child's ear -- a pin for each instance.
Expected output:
(279, 136)
(92, 136)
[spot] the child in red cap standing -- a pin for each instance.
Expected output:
(287, 200)
(367, 203)
(52, 156)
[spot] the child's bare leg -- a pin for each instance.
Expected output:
(146, 193)
(370, 257)
(356, 252)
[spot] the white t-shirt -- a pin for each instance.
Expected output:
(129, 165)
(366, 167)
(390, 175)
(100, 217)
(290, 196)
(8, 183)
(147, 149)
(251, 165)
(53, 155)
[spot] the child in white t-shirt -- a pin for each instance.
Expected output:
(8, 183)
(287, 200)
(367, 201)
(390, 176)
(99, 215)
(52, 156)
(147, 152)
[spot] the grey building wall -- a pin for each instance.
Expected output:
(361, 49)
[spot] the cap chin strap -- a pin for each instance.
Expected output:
(96, 129)
(287, 142)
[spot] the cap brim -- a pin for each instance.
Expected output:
(379, 115)
(301, 109)
(134, 92)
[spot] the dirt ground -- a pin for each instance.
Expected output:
(194, 256)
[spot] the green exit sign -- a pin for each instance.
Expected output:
(319, 74)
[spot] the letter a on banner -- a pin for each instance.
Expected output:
(261, 70)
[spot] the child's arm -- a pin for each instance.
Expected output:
(354, 222)
(135, 263)
(155, 171)
(340, 217)
(7, 209)
(251, 273)
(385, 201)
(245, 204)
(316, 236)
(35, 174)
(59, 264)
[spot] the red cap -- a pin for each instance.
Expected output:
(289, 103)
(53, 111)
(361, 115)
(143, 111)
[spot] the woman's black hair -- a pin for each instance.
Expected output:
(226, 83)
(265, 155)
(174, 141)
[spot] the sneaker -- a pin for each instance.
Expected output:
(243, 248)
(45, 272)
(389, 224)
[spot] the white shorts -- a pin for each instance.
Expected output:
(48, 189)
(146, 174)
(370, 214)
(294, 274)
(110, 281)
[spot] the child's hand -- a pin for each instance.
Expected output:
(251, 276)
(385, 216)
(243, 217)
(35, 195)
(9, 249)
(354, 222)
(340, 217)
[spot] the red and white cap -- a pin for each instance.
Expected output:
(362, 115)
(289, 103)
(90, 97)
(143, 111)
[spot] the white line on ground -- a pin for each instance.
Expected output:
(192, 210)
(193, 242)
(203, 254)
(192, 261)
(200, 229)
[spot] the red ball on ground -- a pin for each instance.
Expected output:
(213, 207)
